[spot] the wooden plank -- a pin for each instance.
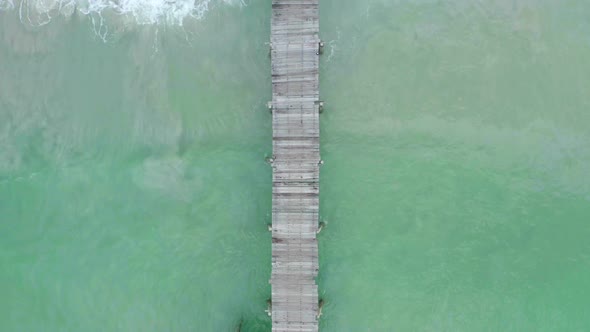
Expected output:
(296, 157)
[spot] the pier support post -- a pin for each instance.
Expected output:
(320, 104)
(320, 227)
(268, 307)
(320, 307)
(269, 106)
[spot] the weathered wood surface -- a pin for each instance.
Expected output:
(296, 156)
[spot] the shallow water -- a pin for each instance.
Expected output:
(134, 194)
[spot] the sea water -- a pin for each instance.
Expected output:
(134, 195)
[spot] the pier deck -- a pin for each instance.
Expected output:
(295, 48)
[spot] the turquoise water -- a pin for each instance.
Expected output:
(134, 194)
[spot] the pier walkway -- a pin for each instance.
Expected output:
(295, 49)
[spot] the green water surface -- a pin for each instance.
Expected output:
(134, 195)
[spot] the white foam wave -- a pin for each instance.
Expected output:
(169, 12)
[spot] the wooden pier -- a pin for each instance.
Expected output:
(295, 49)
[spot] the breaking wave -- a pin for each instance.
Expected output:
(169, 12)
